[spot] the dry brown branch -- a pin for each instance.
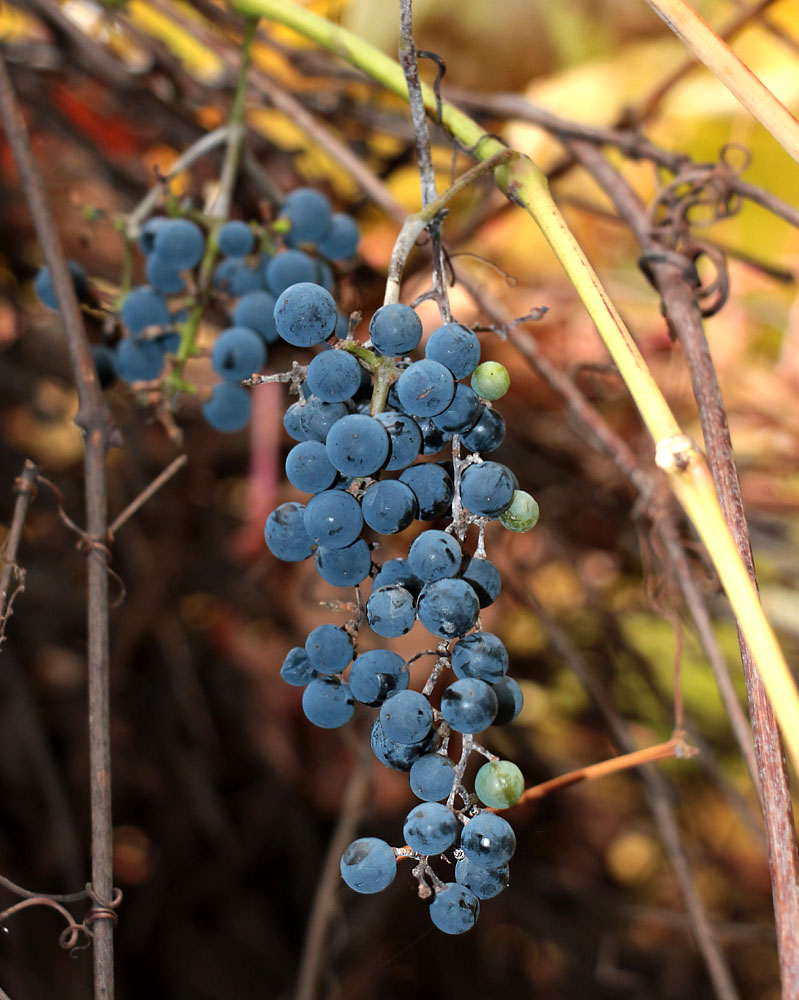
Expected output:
(95, 421)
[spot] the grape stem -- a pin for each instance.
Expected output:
(415, 224)
(204, 145)
(296, 377)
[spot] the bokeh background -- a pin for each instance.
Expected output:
(225, 798)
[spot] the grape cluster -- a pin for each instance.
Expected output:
(246, 282)
(366, 420)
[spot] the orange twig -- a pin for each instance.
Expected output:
(675, 747)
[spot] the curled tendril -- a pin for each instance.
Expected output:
(70, 936)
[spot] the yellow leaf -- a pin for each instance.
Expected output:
(197, 58)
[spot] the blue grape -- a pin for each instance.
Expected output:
(162, 276)
(406, 717)
(234, 277)
(481, 654)
(329, 649)
(377, 674)
(143, 307)
(342, 238)
(235, 239)
(397, 571)
(308, 468)
(487, 488)
(488, 840)
(105, 363)
(327, 702)
(292, 422)
(391, 611)
(405, 438)
(333, 519)
(285, 533)
(425, 388)
(430, 828)
(448, 608)
(43, 284)
(256, 310)
(388, 506)
(510, 700)
(148, 231)
(368, 865)
(344, 567)
(469, 705)
(237, 353)
(433, 438)
(334, 376)
(454, 909)
(395, 330)
(305, 314)
(291, 267)
(179, 243)
(485, 883)
(483, 577)
(310, 215)
(487, 433)
(228, 408)
(434, 555)
(139, 360)
(432, 777)
(296, 668)
(400, 756)
(317, 418)
(357, 445)
(461, 413)
(432, 485)
(456, 347)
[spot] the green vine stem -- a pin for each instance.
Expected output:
(216, 212)
(525, 185)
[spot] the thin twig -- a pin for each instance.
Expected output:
(95, 420)
(675, 747)
(424, 155)
(24, 488)
(148, 492)
(324, 903)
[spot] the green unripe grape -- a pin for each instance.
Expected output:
(522, 513)
(499, 784)
(490, 380)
